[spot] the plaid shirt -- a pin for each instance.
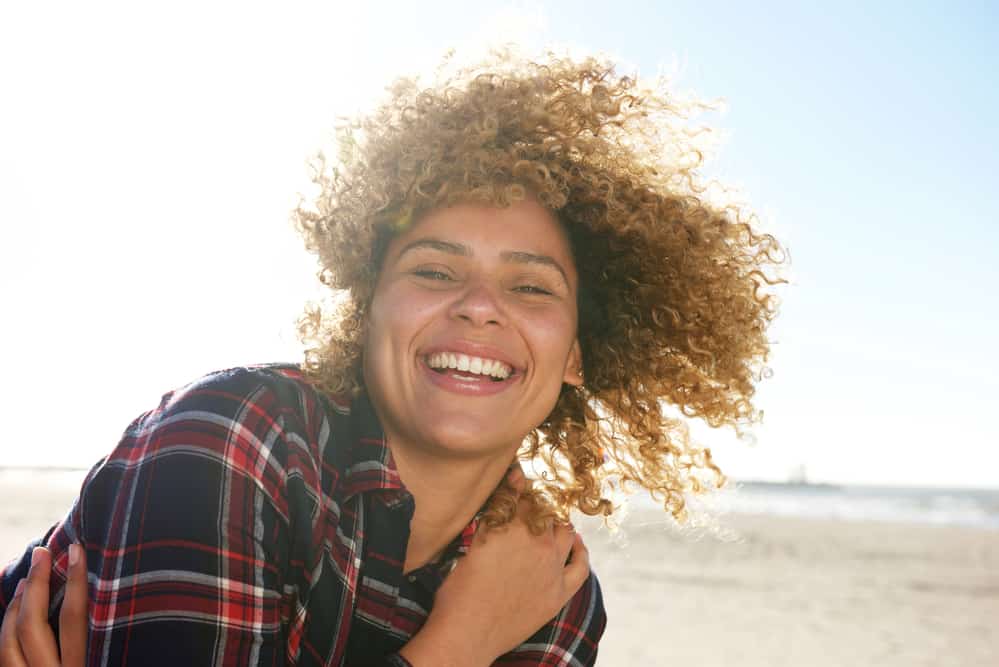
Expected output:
(251, 520)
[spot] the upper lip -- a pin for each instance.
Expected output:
(471, 349)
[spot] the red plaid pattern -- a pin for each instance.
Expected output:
(251, 520)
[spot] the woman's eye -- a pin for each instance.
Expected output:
(431, 274)
(532, 289)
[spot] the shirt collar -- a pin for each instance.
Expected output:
(370, 466)
(433, 573)
(462, 543)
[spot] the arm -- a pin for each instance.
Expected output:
(506, 588)
(568, 639)
(185, 527)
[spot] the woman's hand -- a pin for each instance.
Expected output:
(26, 640)
(508, 585)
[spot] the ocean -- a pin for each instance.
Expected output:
(941, 506)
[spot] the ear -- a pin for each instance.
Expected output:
(574, 366)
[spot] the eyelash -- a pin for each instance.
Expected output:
(434, 274)
(533, 289)
(431, 274)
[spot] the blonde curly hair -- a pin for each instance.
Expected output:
(675, 298)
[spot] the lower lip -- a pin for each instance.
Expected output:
(449, 382)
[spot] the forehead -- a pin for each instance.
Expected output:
(482, 232)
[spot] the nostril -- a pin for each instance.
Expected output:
(477, 308)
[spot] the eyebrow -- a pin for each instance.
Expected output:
(449, 247)
(513, 256)
(520, 257)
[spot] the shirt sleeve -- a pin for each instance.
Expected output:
(570, 639)
(189, 527)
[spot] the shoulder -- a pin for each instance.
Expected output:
(237, 447)
(262, 423)
(571, 638)
(266, 398)
(210, 505)
(284, 382)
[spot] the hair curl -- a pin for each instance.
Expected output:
(674, 301)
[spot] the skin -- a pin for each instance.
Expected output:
(25, 637)
(495, 283)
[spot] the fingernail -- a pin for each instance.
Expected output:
(74, 554)
(36, 553)
(20, 587)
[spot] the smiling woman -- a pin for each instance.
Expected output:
(529, 275)
(482, 286)
(672, 292)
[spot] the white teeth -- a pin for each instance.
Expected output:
(469, 364)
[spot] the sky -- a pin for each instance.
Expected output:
(149, 157)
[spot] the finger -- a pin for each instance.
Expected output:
(73, 617)
(33, 631)
(517, 479)
(564, 539)
(10, 649)
(578, 568)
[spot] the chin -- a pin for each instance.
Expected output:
(469, 438)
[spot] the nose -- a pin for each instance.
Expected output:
(479, 306)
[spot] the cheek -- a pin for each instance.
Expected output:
(399, 314)
(552, 336)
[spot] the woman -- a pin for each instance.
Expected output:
(529, 272)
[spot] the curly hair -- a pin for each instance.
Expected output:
(676, 296)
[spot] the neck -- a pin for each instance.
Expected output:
(447, 493)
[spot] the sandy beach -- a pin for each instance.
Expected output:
(758, 590)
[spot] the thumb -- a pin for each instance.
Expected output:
(73, 617)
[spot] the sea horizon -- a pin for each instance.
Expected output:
(941, 505)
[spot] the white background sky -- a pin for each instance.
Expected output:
(149, 157)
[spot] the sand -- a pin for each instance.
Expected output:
(765, 591)
(801, 592)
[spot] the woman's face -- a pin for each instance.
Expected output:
(472, 329)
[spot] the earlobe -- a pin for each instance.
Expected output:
(574, 366)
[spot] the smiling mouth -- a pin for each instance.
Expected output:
(469, 367)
